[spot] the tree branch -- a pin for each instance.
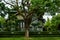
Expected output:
(9, 3)
(16, 2)
(30, 14)
(18, 11)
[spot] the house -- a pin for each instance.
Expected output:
(35, 25)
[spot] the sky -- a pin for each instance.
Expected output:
(47, 15)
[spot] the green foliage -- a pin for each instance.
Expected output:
(48, 22)
(2, 5)
(3, 9)
(37, 7)
(2, 20)
(55, 21)
(47, 25)
(41, 6)
(53, 24)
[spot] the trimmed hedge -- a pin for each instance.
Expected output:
(18, 32)
(32, 34)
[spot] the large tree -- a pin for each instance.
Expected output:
(28, 8)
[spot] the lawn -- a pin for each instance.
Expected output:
(33, 38)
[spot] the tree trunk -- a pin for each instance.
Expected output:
(26, 30)
(27, 25)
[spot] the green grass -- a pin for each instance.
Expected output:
(33, 38)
